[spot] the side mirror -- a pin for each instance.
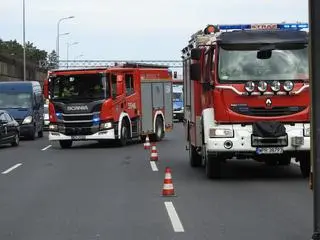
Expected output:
(196, 54)
(120, 88)
(46, 88)
(195, 71)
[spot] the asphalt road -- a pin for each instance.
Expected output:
(91, 193)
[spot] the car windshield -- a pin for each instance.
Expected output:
(79, 87)
(242, 65)
(15, 100)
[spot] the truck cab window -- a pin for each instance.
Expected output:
(114, 85)
(129, 84)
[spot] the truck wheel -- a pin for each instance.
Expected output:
(305, 165)
(159, 129)
(65, 143)
(212, 165)
(194, 157)
(123, 135)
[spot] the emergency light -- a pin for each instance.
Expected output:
(267, 26)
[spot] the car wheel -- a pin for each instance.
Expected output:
(16, 140)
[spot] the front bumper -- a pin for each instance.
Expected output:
(101, 135)
(242, 141)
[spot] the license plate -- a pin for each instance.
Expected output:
(269, 150)
(78, 137)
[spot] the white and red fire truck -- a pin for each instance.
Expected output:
(124, 102)
(246, 91)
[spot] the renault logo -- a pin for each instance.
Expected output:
(268, 102)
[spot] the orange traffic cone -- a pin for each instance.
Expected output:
(168, 190)
(147, 143)
(154, 153)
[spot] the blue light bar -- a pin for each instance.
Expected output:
(267, 26)
(96, 119)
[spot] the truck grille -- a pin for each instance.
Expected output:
(79, 124)
(262, 111)
(257, 141)
(78, 117)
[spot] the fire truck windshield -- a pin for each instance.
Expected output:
(243, 65)
(80, 87)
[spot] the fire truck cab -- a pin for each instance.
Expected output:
(246, 91)
(124, 102)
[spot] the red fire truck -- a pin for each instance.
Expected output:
(246, 93)
(123, 102)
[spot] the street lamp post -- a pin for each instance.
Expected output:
(68, 46)
(24, 41)
(58, 34)
(314, 20)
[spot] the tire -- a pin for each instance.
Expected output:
(40, 134)
(123, 141)
(33, 134)
(212, 165)
(159, 135)
(65, 143)
(194, 157)
(16, 141)
(305, 165)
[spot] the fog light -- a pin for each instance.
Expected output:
(228, 144)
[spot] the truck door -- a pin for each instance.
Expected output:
(131, 95)
(117, 94)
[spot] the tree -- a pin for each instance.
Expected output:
(53, 60)
(13, 48)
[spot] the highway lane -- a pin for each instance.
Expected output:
(84, 193)
(251, 201)
(91, 192)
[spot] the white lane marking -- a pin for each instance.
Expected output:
(175, 221)
(47, 147)
(154, 166)
(12, 168)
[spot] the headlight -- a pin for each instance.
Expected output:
(275, 86)
(53, 127)
(249, 86)
(27, 120)
(288, 86)
(220, 133)
(306, 132)
(106, 125)
(262, 86)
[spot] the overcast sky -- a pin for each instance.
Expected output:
(134, 29)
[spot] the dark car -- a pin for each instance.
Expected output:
(9, 129)
(24, 101)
